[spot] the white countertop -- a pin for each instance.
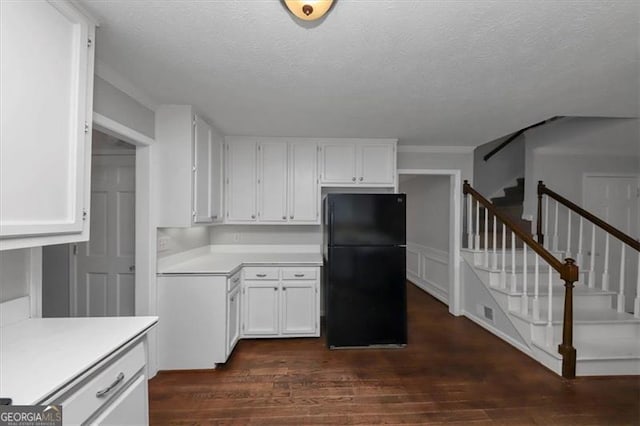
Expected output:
(220, 263)
(39, 356)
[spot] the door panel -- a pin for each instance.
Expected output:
(376, 164)
(366, 296)
(217, 176)
(303, 202)
(273, 183)
(105, 264)
(261, 309)
(241, 181)
(202, 172)
(298, 308)
(338, 163)
(367, 219)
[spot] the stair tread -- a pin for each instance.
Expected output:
(556, 290)
(599, 348)
(583, 315)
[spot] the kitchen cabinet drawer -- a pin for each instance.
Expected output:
(261, 273)
(234, 281)
(299, 273)
(98, 391)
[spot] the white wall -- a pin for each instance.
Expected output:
(183, 239)
(118, 106)
(14, 274)
(501, 170)
(266, 234)
(410, 157)
(428, 228)
(561, 152)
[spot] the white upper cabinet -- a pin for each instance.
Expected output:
(337, 162)
(46, 99)
(281, 175)
(351, 162)
(189, 168)
(217, 176)
(303, 183)
(241, 181)
(272, 183)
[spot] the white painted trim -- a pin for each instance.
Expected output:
(433, 149)
(518, 345)
(455, 230)
(15, 310)
(580, 151)
(90, 16)
(35, 282)
(120, 131)
(121, 83)
(145, 226)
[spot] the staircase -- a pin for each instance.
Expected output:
(531, 295)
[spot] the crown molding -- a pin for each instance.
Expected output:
(434, 149)
(114, 78)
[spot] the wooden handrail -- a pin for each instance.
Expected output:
(515, 136)
(543, 190)
(568, 270)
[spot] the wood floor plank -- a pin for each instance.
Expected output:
(452, 372)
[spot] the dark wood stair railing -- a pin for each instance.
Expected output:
(568, 271)
(543, 190)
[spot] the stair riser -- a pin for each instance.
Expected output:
(579, 302)
(609, 367)
(495, 280)
(478, 257)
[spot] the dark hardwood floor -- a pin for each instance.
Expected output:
(452, 371)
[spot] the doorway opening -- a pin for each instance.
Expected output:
(434, 232)
(97, 277)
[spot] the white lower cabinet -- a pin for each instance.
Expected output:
(113, 394)
(233, 314)
(281, 302)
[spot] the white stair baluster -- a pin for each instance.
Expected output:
(555, 230)
(469, 222)
(524, 301)
(503, 272)
(536, 289)
(546, 223)
(636, 305)
(549, 334)
(605, 272)
(514, 281)
(621, 298)
(477, 234)
(579, 256)
(568, 252)
(592, 261)
(494, 254)
(486, 238)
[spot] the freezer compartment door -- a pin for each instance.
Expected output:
(366, 219)
(366, 296)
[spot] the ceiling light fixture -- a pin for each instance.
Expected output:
(308, 10)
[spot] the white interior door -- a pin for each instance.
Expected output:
(105, 264)
(615, 200)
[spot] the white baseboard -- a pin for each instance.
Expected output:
(430, 288)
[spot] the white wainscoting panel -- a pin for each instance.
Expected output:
(428, 268)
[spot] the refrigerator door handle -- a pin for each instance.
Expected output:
(330, 224)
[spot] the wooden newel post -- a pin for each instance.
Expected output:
(570, 275)
(539, 220)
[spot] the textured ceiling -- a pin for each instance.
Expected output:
(427, 72)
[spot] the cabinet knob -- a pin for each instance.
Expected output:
(215, 216)
(232, 299)
(291, 217)
(360, 178)
(253, 216)
(275, 289)
(284, 217)
(284, 289)
(353, 179)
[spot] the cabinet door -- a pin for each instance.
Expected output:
(338, 163)
(217, 146)
(46, 119)
(241, 181)
(233, 319)
(303, 183)
(201, 171)
(129, 408)
(376, 164)
(260, 301)
(272, 183)
(299, 307)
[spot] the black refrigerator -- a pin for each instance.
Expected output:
(364, 250)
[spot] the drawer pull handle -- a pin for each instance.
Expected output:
(275, 289)
(261, 275)
(235, 280)
(298, 275)
(102, 393)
